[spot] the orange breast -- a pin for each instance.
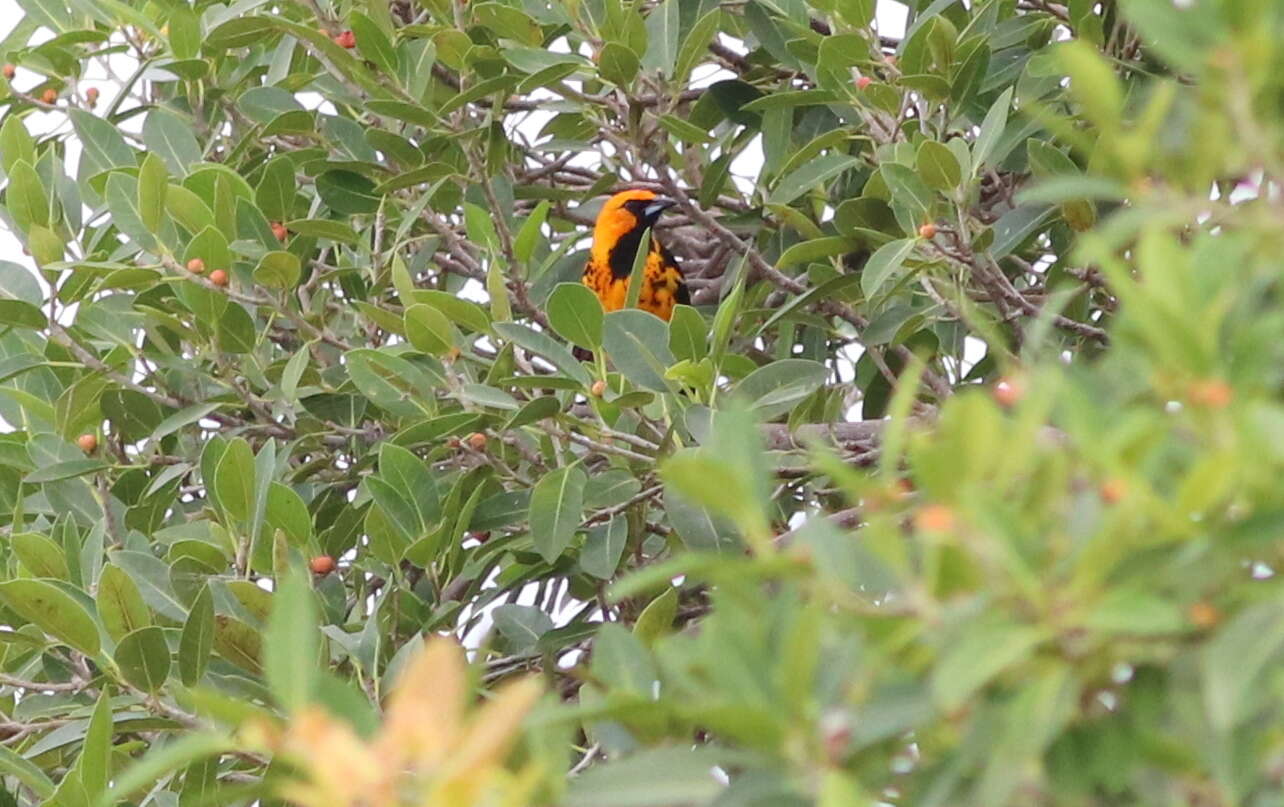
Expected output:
(660, 282)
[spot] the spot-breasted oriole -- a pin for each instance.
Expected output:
(616, 238)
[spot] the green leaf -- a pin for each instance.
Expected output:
(938, 166)
(347, 192)
(275, 192)
(985, 649)
(638, 344)
(239, 643)
(16, 144)
(662, 28)
(278, 269)
(153, 578)
(775, 388)
(1233, 663)
(51, 609)
(546, 346)
(808, 251)
(20, 314)
(883, 264)
(25, 771)
(25, 197)
(323, 228)
(234, 479)
(617, 64)
(144, 659)
(816, 172)
(120, 604)
(170, 137)
(465, 313)
(528, 235)
(621, 661)
(576, 315)
(656, 619)
(556, 509)
(656, 776)
(428, 329)
(992, 128)
(153, 181)
(104, 146)
(695, 43)
(604, 547)
(688, 334)
(293, 644)
(40, 555)
(1093, 83)
(372, 44)
(197, 639)
(521, 625)
(390, 381)
(412, 479)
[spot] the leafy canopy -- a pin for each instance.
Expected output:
(958, 483)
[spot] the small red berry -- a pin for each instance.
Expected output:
(927, 231)
(934, 518)
(1113, 490)
(91, 96)
(196, 266)
(10, 71)
(477, 441)
(1203, 614)
(49, 96)
(1212, 393)
(321, 564)
(88, 443)
(347, 39)
(278, 229)
(863, 82)
(218, 277)
(1009, 391)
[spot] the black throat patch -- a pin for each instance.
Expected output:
(624, 251)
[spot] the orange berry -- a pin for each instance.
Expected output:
(863, 82)
(321, 564)
(88, 443)
(91, 96)
(934, 518)
(49, 96)
(1009, 391)
(1203, 614)
(278, 229)
(477, 441)
(196, 266)
(1113, 490)
(347, 39)
(1212, 393)
(10, 71)
(927, 231)
(598, 389)
(218, 277)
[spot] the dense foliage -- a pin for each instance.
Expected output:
(959, 483)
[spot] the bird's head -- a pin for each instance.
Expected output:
(626, 211)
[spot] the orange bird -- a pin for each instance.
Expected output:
(616, 238)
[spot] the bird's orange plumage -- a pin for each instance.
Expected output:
(616, 238)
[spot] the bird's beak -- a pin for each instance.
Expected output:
(657, 206)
